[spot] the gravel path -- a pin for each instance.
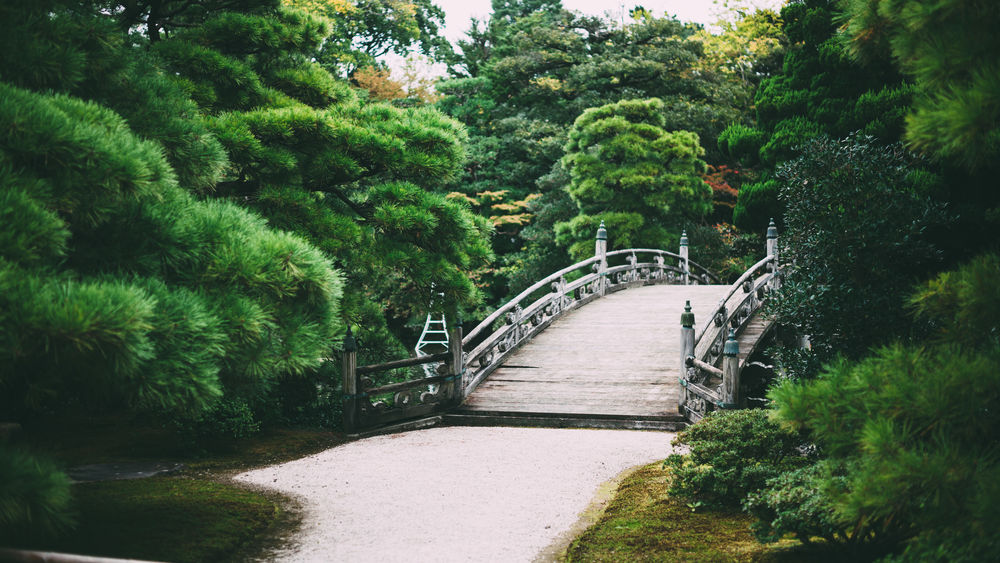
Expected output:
(452, 493)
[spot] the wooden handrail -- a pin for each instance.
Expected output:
(488, 321)
(404, 363)
(691, 361)
(732, 289)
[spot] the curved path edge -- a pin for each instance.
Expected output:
(455, 493)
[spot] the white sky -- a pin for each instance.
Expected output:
(458, 12)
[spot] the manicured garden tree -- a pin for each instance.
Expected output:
(353, 177)
(626, 170)
(122, 290)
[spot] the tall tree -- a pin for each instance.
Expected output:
(819, 91)
(626, 170)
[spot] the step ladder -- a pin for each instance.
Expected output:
(433, 340)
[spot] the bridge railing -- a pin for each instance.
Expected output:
(519, 320)
(710, 366)
(368, 405)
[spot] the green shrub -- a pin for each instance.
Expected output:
(315, 400)
(794, 502)
(855, 241)
(731, 455)
(218, 427)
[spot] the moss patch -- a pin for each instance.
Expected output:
(642, 523)
(165, 519)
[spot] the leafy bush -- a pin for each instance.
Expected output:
(731, 454)
(795, 502)
(316, 400)
(856, 240)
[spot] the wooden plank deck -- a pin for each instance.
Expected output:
(612, 363)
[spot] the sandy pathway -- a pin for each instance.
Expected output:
(452, 493)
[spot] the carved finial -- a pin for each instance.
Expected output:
(772, 230)
(684, 238)
(602, 233)
(732, 347)
(350, 345)
(687, 317)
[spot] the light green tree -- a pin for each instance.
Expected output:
(627, 171)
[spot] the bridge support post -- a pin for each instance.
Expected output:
(685, 263)
(601, 253)
(687, 337)
(731, 373)
(457, 367)
(772, 250)
(350, 383)
(687, 349)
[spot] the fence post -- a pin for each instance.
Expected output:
(457, 367)
(685, 263)
(687, 337)
(772, 250)
(601, 253)
(730, 372)
(350, 383)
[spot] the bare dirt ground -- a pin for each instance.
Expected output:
(452, 493)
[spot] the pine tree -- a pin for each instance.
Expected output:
(627, 171)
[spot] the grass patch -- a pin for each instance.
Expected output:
(165, 519)
(643, 523)
(195, 515)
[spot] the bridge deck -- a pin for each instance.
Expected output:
(615, 358)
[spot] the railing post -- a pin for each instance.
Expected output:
(687, 337)
(350, 383)
(601, 253)
(730, 372)
(685, 263)
(457, 367)
(772, 250)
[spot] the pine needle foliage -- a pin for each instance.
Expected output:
(950, 49)
(913, 428)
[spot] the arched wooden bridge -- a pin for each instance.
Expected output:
(604, 343)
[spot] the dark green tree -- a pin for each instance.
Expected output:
(820, 90)
(349, 175)
(911, 429)
(857, 237)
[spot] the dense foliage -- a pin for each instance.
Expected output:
(184, 191)
(819, 90)
(913, 426)
(949, 49)
(856, 239)
(521, 79)
(629, 172)
(731, 454)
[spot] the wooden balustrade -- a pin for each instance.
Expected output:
(471, 359)
(706, 386)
